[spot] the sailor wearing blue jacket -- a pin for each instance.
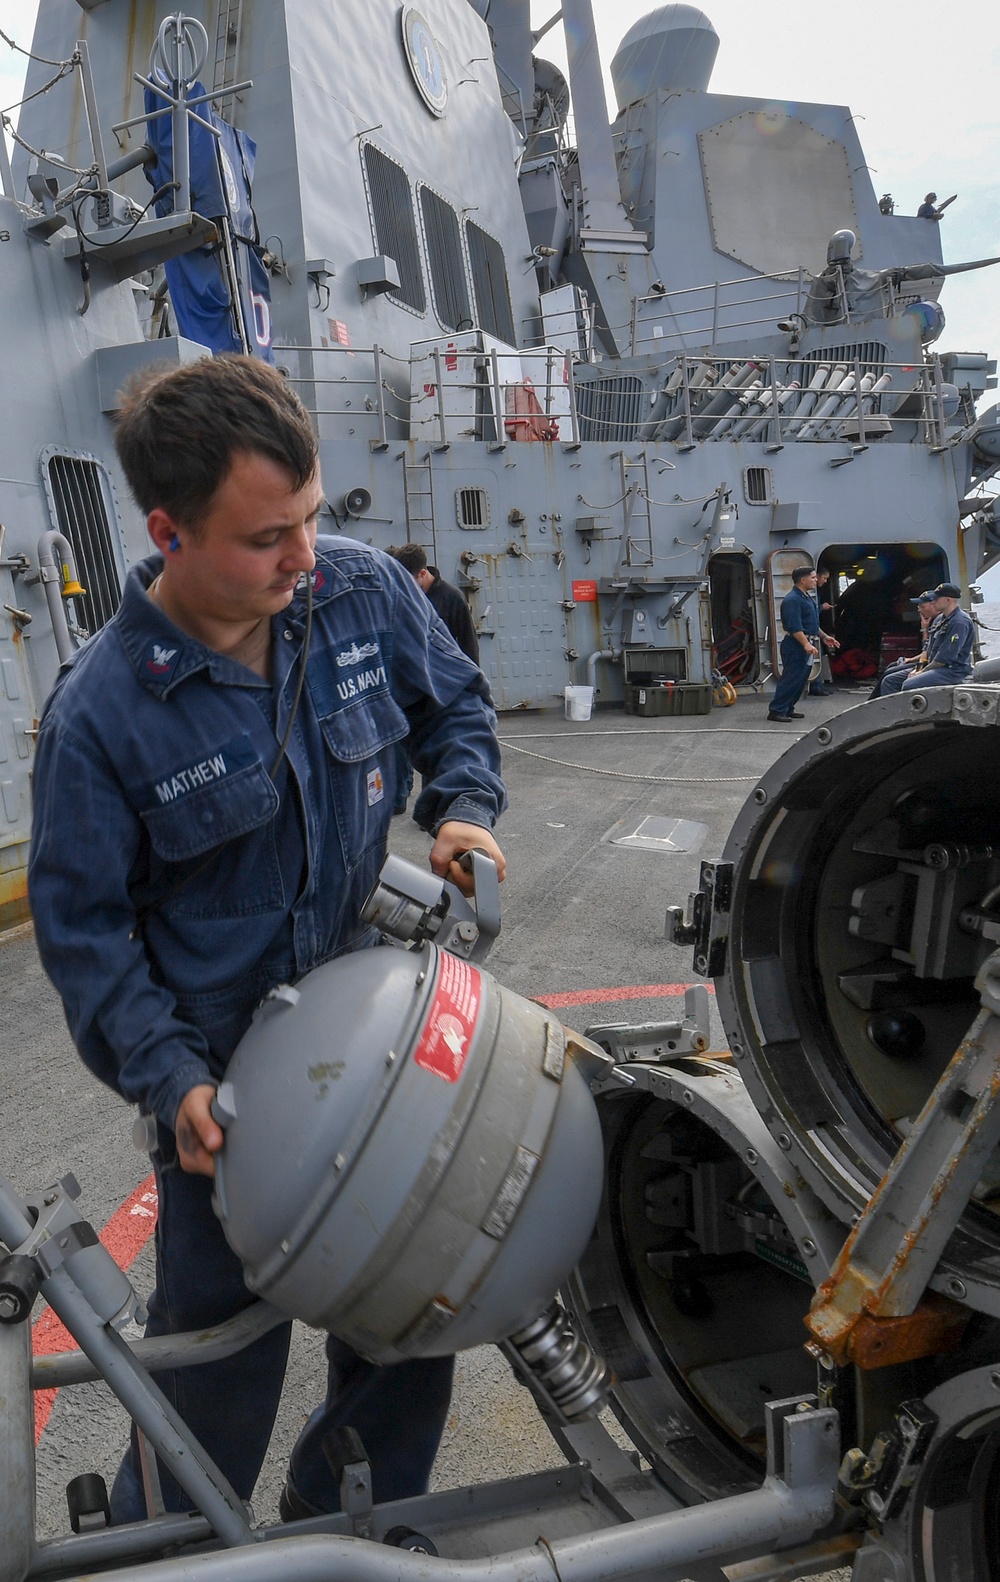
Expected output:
(800, 644)
(213, 786)
(950, 643)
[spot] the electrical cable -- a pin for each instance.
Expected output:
(300, 683)
(39, 153)
(619, 774)
(95, 246)
(66, 69)
(645, 730)
(43, 60)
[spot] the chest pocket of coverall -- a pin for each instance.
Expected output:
(360, 740)
(236, 815)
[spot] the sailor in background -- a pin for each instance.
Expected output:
(930, 209)
(453, 610)
(949, 648)
(800, 644)
(213, 790)
(447, 600)
(824, 681)
(927, 609)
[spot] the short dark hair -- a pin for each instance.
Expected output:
(800, 572)
(179, 430)
(412, 557)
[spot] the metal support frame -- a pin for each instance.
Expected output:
(628, 1531)
(794, 1503)
(125, 1376)
(873, 1310)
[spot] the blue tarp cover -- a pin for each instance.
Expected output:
(221, 176)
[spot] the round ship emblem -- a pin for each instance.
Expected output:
(424, 59)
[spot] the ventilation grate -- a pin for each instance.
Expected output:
(472, 507)
(489, 281)
(444, 249)
(82, 506)
(870, 354)
(395, 224)
(757, 485)
(610, 409)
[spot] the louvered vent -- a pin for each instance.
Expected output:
(610, 409)
(395, 224)
(82, 506)
(757, 485)
(444, 249)
(489, 281)
(870, 354)
(472, 507)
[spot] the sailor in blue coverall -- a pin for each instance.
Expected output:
(183, 864)
(800, 644)
(950, 642)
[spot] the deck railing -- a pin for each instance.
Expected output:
(445, 393)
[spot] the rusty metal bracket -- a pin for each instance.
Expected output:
(875, 1308)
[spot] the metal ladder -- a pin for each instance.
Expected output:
(637, 537)
(227, 43)
(418, 490)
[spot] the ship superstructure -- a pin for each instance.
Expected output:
(616, 395)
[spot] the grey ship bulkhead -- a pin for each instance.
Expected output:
(617, 380)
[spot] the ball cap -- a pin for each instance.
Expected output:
(947, 590)
(925, 598)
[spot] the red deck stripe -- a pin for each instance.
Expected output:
(635, 991)
(125, 1235)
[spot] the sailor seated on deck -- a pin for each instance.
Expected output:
(949, 648)
(901, 669)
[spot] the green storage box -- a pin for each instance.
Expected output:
(667, 697)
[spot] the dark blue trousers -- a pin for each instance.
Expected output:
(795, 667)
(400, 1412)
(903, 680)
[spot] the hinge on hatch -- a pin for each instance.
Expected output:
(704, 922)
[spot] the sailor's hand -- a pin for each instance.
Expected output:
(453, 838)
(811, 650)
(199, 1136)
(831, 642)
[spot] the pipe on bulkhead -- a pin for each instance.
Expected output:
(592, 663)
(58, 578)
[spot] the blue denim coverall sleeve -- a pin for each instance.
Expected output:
(155, 752)
(950, 645)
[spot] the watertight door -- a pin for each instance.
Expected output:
(734, 614)
(780, 565)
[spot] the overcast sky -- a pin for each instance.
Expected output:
(920, 79)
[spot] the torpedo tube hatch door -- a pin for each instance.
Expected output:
(734, 615)
(780, 565)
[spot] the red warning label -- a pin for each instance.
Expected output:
(447, 1033)
(585, 592)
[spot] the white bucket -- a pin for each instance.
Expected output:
(578, 702)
